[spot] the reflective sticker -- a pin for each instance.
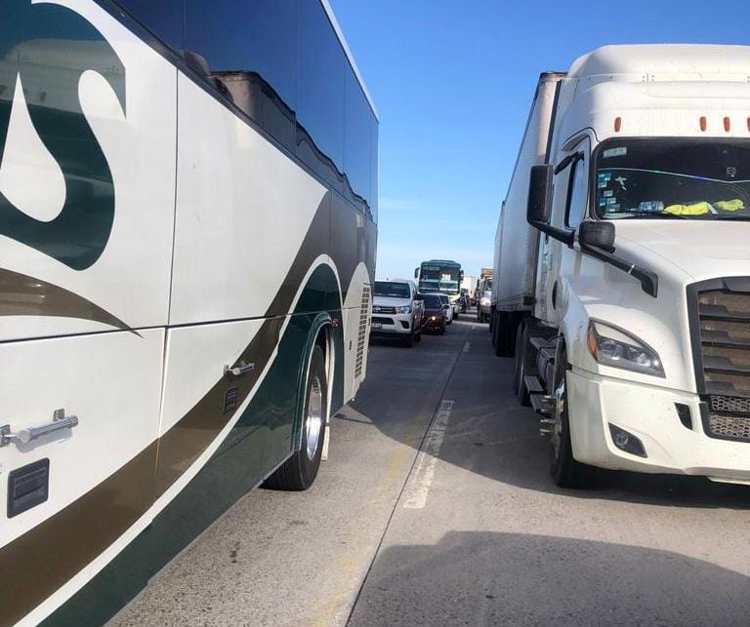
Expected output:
(615, 152)
(611, 201)
(608, 193)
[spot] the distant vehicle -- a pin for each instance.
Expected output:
(484, 300)
(448, 306)
(624, 273)
(463, 300)
(434, 314)
(397, 311)
(469, 284)
(441, 275)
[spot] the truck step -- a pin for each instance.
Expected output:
(533, 385)
(543, 404)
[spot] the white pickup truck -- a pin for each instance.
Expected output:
(623, 263)
(397, 311)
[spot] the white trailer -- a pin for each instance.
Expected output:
(625, 295)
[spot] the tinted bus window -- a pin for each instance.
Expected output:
(250, 52)
(358, 137)
(322, 78)
(164, 18)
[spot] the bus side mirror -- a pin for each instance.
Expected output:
(597, 234)
(540, 195)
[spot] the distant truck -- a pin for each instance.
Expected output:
(470, 285)
(485, 295)
(443, 276)
(623, 265)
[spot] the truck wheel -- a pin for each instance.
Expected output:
(565, 470)
(506, 334)
(519, 366)
(418, 336)
(456, 315)
(299, 471)
(409, 340)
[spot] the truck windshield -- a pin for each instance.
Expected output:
(673, 179)
(394, 290)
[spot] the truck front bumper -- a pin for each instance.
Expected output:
(670, 444)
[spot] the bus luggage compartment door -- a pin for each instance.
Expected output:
(75, 412)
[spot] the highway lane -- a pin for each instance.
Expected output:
(471, 530)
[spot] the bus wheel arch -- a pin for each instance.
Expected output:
(311, 425)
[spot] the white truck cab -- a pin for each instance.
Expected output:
(623, 262)
(397, 310)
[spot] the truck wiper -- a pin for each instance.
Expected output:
(654, 216)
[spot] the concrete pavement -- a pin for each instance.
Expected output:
(468, 531)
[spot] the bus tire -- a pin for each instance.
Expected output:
(299, 471)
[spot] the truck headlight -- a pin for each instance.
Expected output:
(617, 348)
(406, 309)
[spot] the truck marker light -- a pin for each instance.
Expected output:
(703, 122)
(618, 124)
(727, 124)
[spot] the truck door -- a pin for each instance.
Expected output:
(568, 209)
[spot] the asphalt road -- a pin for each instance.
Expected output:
(469, 531)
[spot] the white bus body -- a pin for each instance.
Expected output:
(636, 349)
(188, 201)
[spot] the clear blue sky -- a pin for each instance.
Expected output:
(453, 81)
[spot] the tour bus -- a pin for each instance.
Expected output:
(444, 276)
(188, 209)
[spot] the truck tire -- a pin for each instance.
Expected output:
(299, 471)
(408, 341)
(506, 334)
(519, 365)
(565, 470)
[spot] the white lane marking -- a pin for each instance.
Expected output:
(467, 347)
(424, 470)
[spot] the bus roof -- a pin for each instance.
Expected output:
(349, 55)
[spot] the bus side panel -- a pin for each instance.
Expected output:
(87, 167)
(243, 211)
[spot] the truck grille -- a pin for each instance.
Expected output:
(720, 327)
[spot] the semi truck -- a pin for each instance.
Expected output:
(623, 266)
(485, 296)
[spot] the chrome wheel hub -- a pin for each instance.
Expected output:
(314, 417)
(556, 436)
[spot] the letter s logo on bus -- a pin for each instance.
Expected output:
(48, 48)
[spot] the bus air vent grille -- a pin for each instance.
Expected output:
(364, 320)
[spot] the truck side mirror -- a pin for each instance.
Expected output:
(416, 272)
(418, 297)
(599, 234)
(539, 203)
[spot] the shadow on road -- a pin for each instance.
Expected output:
(476, 578)
(489, 432)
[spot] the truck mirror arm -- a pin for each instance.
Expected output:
(649, 280)
(561, 235)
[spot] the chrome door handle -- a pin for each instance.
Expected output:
(24, 436)
(240, 369)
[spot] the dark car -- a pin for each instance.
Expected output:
(434, 314)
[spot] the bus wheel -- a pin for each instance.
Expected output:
(300, 470)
